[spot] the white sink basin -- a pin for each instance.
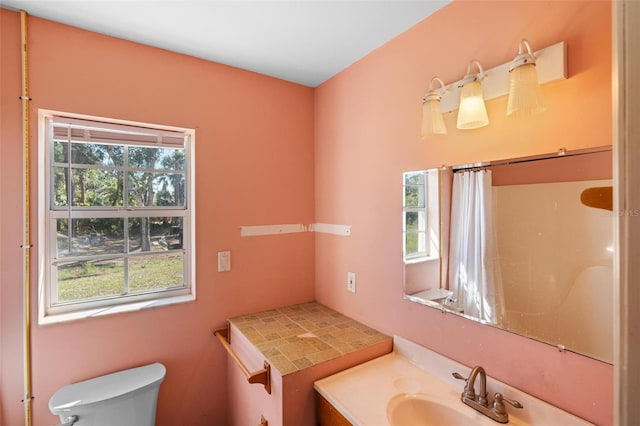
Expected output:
(422, 410)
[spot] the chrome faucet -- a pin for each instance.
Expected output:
(480, 402)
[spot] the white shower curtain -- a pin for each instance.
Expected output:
(474, 268)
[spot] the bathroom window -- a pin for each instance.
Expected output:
(420, 215)
(119, 220)
(415, 214)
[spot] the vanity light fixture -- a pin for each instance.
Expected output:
(525, 96)
(550, 65)
(432, 120)
(472, 113)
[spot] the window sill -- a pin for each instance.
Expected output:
(116, 309)
(421, 259)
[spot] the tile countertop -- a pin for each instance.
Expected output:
(296, 337)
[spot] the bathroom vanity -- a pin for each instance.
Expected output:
(414, 386)
(298, 345)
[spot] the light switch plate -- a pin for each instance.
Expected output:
(224, 261)
(351, 282)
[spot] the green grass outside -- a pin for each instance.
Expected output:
(411, 238)
(92, 279)
(411, 243)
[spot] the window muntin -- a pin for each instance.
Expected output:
(119, 223)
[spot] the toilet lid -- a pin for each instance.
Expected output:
(106, 387)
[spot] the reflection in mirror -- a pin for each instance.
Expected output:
(421, 234)
(526, 245)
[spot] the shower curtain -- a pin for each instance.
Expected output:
(474, 268)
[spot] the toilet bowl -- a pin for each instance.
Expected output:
(127, 397)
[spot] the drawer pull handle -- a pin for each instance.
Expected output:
(261, 376)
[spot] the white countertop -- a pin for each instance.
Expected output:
(361, 393)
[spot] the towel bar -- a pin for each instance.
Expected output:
(261, 376)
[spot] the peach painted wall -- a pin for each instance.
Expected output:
(254, 145)
(367, 134)
(598, 165)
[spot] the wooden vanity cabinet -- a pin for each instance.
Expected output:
(327, 415)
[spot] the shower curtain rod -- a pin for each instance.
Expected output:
(559, 154)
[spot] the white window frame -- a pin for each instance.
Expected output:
(428, 215)
(422, 218)
(49, 311)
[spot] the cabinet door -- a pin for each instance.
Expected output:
(327, 415)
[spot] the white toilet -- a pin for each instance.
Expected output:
(124, 398)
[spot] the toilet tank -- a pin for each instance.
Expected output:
(127, 397)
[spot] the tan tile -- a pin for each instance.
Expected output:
(271, 352)
(246, 329)
(320, 345)
(302, 363)
(272, 336)
(267, 314)
(323, 356)
(264, 346)
(292, 332)
(297, 349)
(282, 364)
(257, 339)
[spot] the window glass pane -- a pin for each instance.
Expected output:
(156, 158)
(411, 243)
(155, 234)
(414, 178)
(90, 279)
(90, 237)
(60, 152)
(97, 154)
(60, 183)
(171, 191)
(156, 272)
(97, 188)
(411, 221)
(156, 189)
(414, 189)
(414, 196)
(415, 243)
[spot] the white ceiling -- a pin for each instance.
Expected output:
(304, 41)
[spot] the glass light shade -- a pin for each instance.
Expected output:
(432, 120)
(472, 112)
(525, 97)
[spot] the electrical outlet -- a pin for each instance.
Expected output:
(351, 282)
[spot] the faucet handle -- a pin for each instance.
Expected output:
(468, 392)
(460, 377)
(498, 403)
(466, 381)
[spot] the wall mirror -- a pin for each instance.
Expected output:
(523, 244)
